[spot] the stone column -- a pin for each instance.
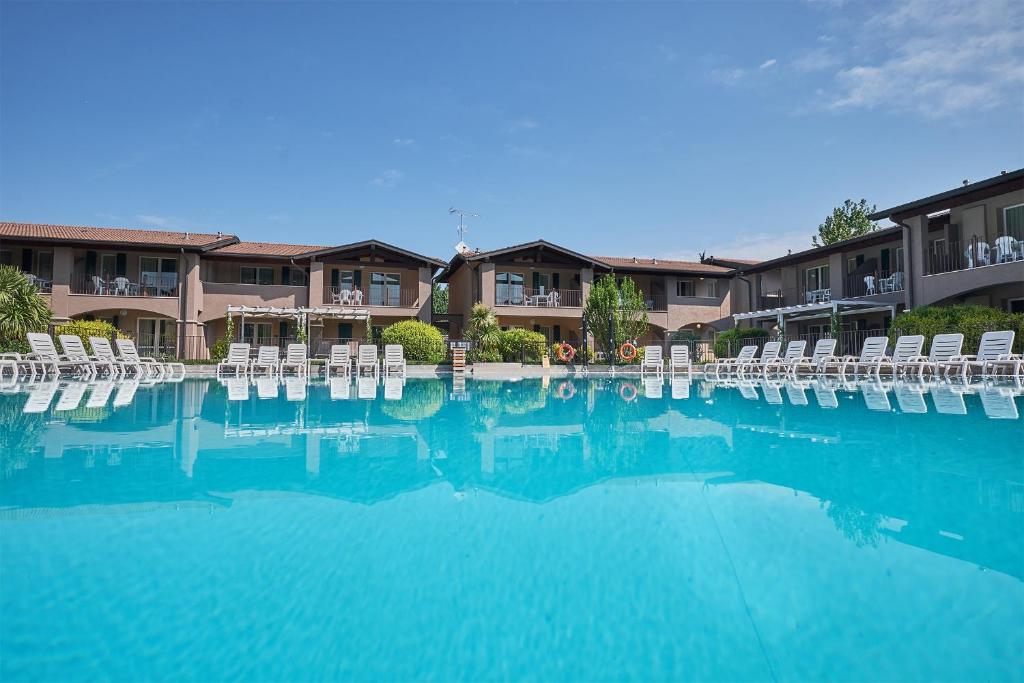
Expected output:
(191, 342)
(836, 276)
(917, 257)
(425, 291)
(63, 264)
(586, 282)
(487, 284)
(316, 283)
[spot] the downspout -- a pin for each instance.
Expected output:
(182, 307)
(750, 292)
(908, 263)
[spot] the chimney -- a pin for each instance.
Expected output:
(966, 182)
(655, 261)
(634, 260)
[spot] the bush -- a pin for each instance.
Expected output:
(972, 321)
(511, 343)
(90, 328)
(480, 355)
(423, 343)
(728, 343)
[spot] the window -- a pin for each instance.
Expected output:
(851, 266)
(1013, 221)
(938, 246)
(257, 333)
(385, 289)
(344, 280)
(44, 265)
(157, 336)
(158, 276)
(898, 261)
(1015, 305)
(816, 278)
(508, 289)
(254, 275)
(541, 282)
(685, 288)
(108, 266)
(297, 277)
(712, 288)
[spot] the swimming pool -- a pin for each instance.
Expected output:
(562, 530)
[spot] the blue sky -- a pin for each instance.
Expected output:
(634, 129)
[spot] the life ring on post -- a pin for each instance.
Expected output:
(627, 352)
(628, 392)
(566, 390)
(565, 352)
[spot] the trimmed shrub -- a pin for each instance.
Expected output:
(728, 343)
(511, 343)
(423, 343)
(972, 321)
(90, 328)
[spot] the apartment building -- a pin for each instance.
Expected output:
(543, 286)
(174, 290)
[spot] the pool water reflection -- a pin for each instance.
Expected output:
(570, 530)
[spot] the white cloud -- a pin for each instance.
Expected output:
(817, 59)
(389, 178)
(759, 245)
(940, 58)
(729, 76)
(156, 221)
(523, 125)
(403, 142)
(768, 64)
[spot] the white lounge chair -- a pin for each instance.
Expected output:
(994, 351)
(945, 347)
(127, 353)
(40, 397)
(679, 359)
(295, 359)
(872, 355)
(745, 355)
(126, 392)
(237, 359)
(340, 358)
(652, 361)
(103, 353)
(19, 363)
(904, 354)
(44, 353)
(366, 359)
(393, 387)
(794, 352)
(74, 351)
(769, 354)
(268, 359)
(341, 388)
(821, 358)
(394, 359)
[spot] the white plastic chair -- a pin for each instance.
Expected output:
(821, 358)
(98, 285)
(295, 359)
(945, 347)
(74, 352)
(44, 353)
(127, 353)
(340, 356)
(905, 353)
(794, 352)
(652, 361)
(994, 351)
(103, 352)
(237, 359)
(366, 359)
(872, 355)
(268, 359)
(121, 285)
(769, 355)
(732, 364)
(1006, 249)
(394, 359)
(679, 359)
(869, 285)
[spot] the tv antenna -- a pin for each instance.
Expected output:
(462, 213)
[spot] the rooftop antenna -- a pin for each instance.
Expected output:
(462, 213)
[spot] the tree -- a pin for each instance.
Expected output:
(846, 221)
(619, 306)
(439, 297)
(483, 329)
(22, 310)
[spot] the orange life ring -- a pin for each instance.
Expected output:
(565, 352)
(566, 390)
(628, 392)
(627, 352)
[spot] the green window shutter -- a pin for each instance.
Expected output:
(536, 280)
(282, 328)
(558, 332)
(335, 277)
(26, 260)
(885, 259)
(554, 281)
(345, 330)
(286, 275)
(357, 279)
(121, 265)
(90, 263)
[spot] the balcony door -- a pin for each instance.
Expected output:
(508, 289)
(385, 289)
(157, 337)
(158, 276)
(816, 278)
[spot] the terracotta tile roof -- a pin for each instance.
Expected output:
(629, 263)
(266, 249)
(127, 236)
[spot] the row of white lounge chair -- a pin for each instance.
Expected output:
(44, 359)
(994, 357)
(268, 360)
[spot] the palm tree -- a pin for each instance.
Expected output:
(483, 325)
(22, 309)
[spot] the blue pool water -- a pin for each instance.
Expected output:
(585, 530)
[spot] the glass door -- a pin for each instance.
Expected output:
(158, 276)
(157, 337)
(385, 289)
(508, 289)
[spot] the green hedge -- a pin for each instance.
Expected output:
(90, 328)
(737, 337)
(423, 343)
(972, 321)
(511, 342)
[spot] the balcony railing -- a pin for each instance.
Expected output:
(515, 295)
(656, 302)
(974, 253)
(876, 282)
(151, 284)
(780, 298)
(43, 284)
(374, 295)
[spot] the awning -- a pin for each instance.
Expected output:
(343, 313)
(816, 310)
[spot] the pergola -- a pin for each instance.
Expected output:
(811, 311)
(302, 316)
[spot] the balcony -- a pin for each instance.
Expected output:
(780, 298)
(374, 295)
(162, 285)
(974, 253)
(515, 295)
(876, 282)
(657, 303)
